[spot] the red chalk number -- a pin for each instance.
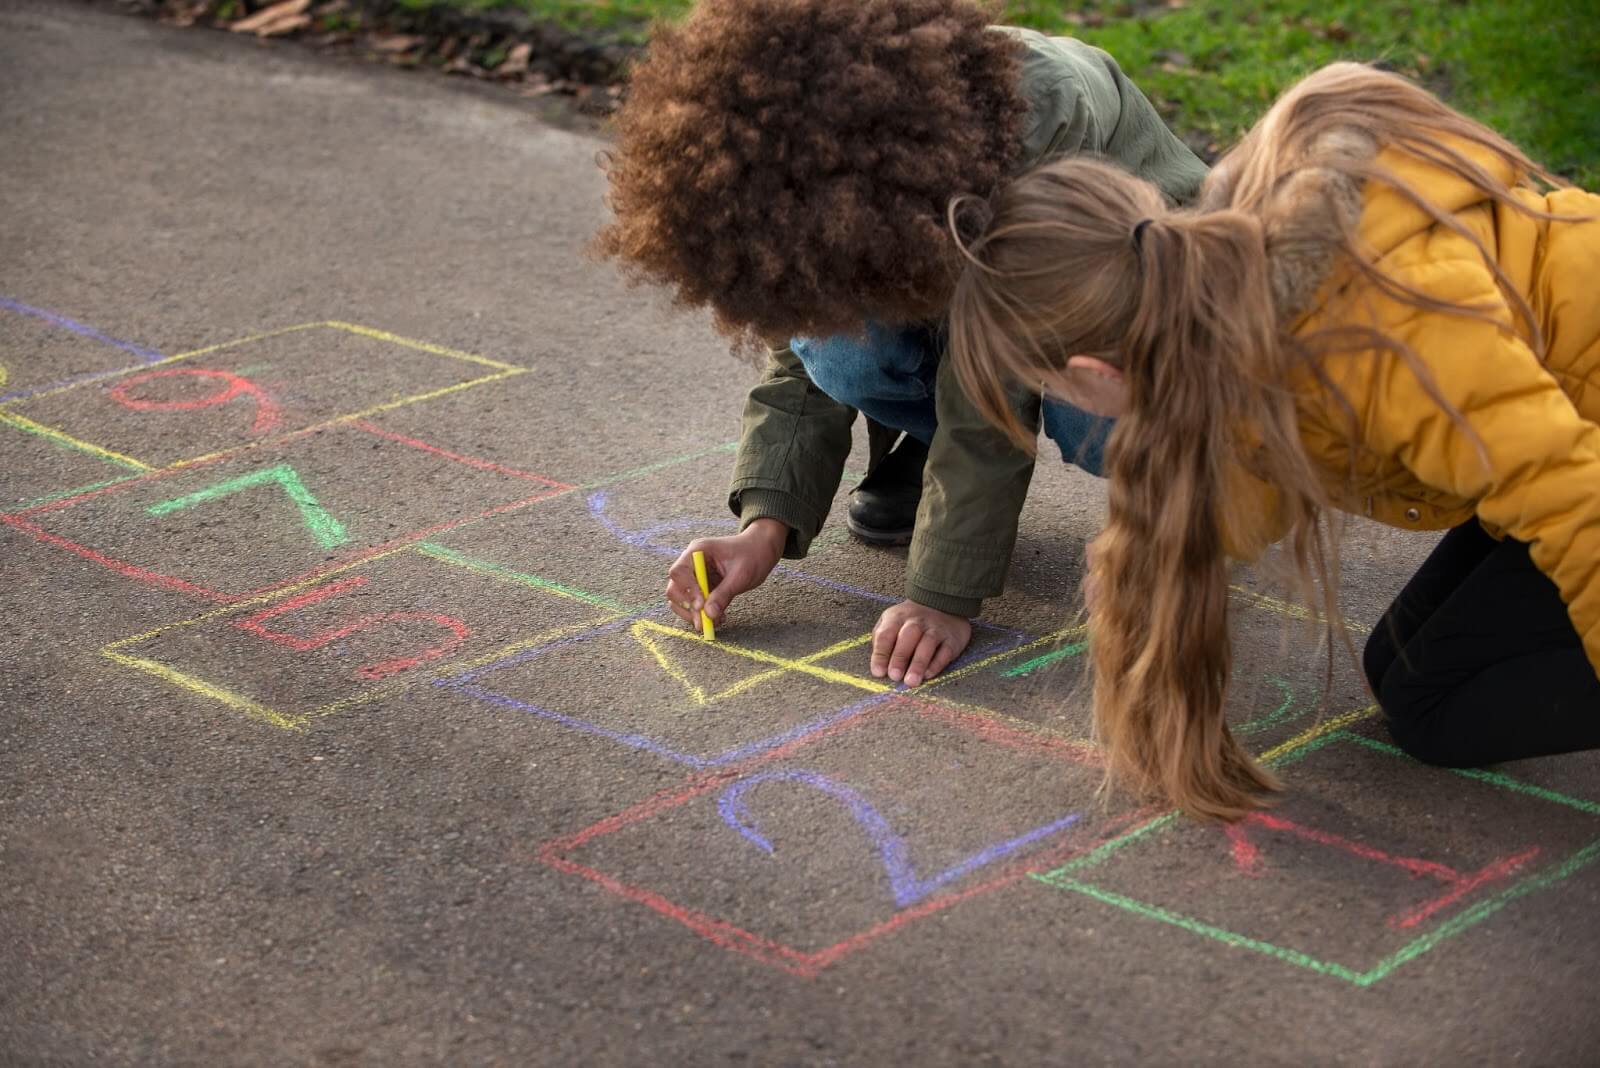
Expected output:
(256, 624)
(267, 414)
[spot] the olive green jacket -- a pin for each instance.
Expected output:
(795, 438)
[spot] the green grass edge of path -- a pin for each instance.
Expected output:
(1529, 68)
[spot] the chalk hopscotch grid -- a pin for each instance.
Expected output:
(149, 359)
(1066, 877)
(68, 498)
(117, 651)
(808, 964)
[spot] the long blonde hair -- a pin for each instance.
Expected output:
(1079, 257)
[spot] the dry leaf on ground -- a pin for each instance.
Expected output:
(266, 22)
(516, 61)
(395, 43)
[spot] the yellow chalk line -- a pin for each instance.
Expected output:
(22, 422)
(424, 346)
(297, 722)
(504, 370)
(696, 693)
(1293, 611)
(1311, 734)
(205, 689)
(451, 667)
(804, 666)
(463, 666)
(317, 428)
(113, 652)
(143, 367)
(219, 346)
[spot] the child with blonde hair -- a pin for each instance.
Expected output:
(1378, 307)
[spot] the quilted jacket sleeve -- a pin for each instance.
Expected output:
(1520, 449)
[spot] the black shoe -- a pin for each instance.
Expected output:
(883, 509)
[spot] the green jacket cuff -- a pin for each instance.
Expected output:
(944, 602)
(757, 503)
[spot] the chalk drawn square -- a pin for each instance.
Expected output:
(254, 389)
(267, 517)
(831, 842)
(1371, 862)
(365, 631)
(659, 688)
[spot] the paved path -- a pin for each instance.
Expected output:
(342, 724)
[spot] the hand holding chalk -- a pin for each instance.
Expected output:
(706, 629)
(733, 565)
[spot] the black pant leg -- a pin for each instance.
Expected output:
(1496, 672)
(1455, 557)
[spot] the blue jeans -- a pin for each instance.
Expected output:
(889, 376)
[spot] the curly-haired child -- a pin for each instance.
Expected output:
(789, 164)
(1378, 309)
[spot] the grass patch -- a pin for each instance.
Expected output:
(1529, 68)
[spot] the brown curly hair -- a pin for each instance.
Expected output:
(788, 163)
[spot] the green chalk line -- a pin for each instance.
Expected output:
(1127, 838)
(37, 501)
(1497, 778)
(1057, 876)
(323, 526)
(1060, 877)
(1226, 937)
(1482, 911)
(1028, 666)
(451, 556)
(639, 472)
(1261, 723)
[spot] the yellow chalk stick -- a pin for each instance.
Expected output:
(705, 591)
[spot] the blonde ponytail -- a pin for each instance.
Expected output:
(1200, 341)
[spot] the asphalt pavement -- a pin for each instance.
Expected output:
(341, 722)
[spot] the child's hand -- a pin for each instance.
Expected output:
(733, 565)
(913, 642)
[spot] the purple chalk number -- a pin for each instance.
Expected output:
(892, 850)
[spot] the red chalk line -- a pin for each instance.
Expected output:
(393, 666)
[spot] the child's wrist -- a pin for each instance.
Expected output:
(769, 532)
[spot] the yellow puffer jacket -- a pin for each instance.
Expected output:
(1536, 476)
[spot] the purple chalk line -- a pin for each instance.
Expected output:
(652, 745)
(528, 654)
(146, 356)
(891, 848)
